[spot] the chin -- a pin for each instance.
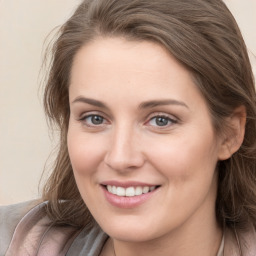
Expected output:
(131, 236)
(129, 231)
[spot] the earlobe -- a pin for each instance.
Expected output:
(234, 136)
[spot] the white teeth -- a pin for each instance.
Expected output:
(130, 191)
(138, 191)
(145, 190)
(120, 191)
(152, 188)
(109, 188)
(113, 190)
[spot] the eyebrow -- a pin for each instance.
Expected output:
(156, 103)
(143, 105)
(93, 102)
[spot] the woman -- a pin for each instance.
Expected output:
(156, 106)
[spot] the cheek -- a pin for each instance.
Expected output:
(85, 157)
(184, 158)
(84, 153)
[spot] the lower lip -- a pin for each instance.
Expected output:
(126, 201)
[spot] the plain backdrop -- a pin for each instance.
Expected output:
(25, 143)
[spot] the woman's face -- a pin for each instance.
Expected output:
(141, 141)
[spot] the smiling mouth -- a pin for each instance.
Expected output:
(130, 191)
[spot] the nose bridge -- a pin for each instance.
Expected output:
(124, 151)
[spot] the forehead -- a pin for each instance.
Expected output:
(116, 68)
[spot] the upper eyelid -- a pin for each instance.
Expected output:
(171, 120)
(89, 125)
(157, 114)
(91, 113)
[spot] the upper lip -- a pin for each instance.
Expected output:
(126, 184)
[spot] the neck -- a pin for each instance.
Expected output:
(197, 244)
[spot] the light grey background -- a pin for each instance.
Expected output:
(24, 140)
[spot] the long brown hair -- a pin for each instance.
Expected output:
(204, 37)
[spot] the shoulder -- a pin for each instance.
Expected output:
(26, 230)
(29, 231)
(9, 218)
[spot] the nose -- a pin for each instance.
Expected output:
(124, 152)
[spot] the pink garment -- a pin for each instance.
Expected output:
(34, 235)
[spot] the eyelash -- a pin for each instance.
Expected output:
(170, 120)
(83, 120)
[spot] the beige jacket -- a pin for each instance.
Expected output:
(25, 230)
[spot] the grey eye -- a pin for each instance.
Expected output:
(94, 119)
(161, 121)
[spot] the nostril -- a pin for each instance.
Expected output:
(123, 154)
(124, 162)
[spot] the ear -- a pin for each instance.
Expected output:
(233, 139)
